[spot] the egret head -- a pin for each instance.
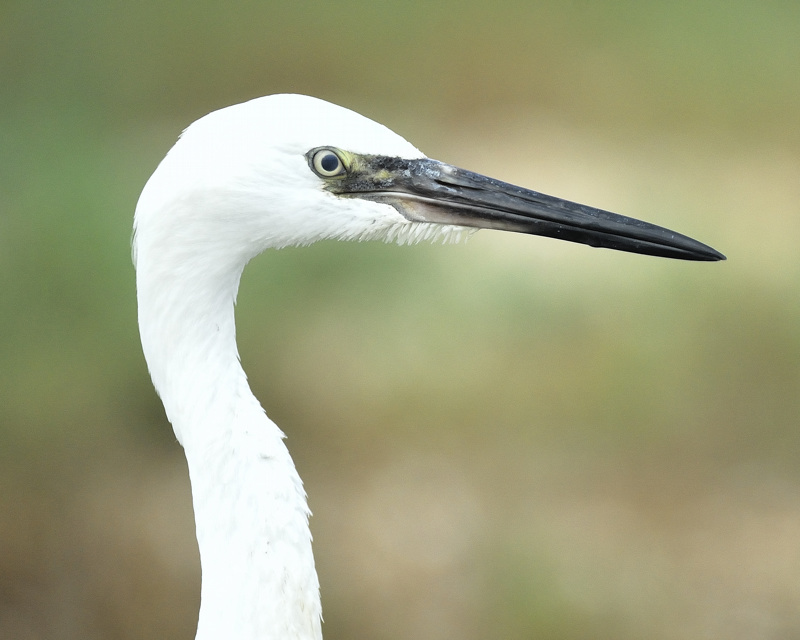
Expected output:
(291, 170)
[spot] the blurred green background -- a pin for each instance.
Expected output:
(508, 438)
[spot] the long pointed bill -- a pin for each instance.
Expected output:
(430, 191)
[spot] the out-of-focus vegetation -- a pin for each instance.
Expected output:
(505, 439)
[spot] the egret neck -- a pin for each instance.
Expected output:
(250, 507)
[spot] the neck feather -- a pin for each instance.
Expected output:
(259, 580)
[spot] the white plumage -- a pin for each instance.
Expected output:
(242, 180)
(235, 184)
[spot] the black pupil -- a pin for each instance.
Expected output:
(329, 162)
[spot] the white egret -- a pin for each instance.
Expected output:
(277, 171)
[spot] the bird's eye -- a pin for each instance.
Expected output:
(327, 164)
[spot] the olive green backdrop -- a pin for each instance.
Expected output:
(510, 438)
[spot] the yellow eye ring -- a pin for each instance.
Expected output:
(327, 164)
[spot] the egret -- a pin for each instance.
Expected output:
(273, 172)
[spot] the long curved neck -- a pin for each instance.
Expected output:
(259, 580)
